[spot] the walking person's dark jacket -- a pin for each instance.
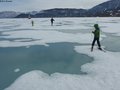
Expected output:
(96, 37)
(96, 32)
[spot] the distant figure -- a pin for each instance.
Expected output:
(32, 22)
(52, 20)
(96, 37)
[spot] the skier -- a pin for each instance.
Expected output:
(52, 20)
(32, 22)
(96, 37)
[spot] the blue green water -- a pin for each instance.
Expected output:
(59, 57)
(112, 43)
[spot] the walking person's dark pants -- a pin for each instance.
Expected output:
(93, 43)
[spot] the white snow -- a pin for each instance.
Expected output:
(112, 28)
(43, 37)
(42, 33)
(103, 72)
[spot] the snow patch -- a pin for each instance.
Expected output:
(44, 37)
(17, 70)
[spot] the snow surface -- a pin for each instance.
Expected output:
(103, 72)
(43, 37)
(42, 33)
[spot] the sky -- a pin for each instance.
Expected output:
(37, 5)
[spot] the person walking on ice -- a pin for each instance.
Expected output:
(96, 33)
(52, 20)
(32, 22)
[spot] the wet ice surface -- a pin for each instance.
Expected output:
(74, 69)
(59, 57)
(112, 43)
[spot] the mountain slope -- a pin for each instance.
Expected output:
(8, 14)
(109, 8)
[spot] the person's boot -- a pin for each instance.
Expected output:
(100, 48)
(91, 48)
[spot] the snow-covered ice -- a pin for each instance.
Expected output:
(41, 34)
(103, 72)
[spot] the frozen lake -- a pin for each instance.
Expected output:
(58, 57)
